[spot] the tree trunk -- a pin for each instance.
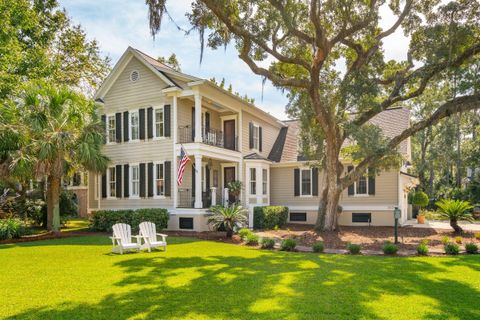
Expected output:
(458, 176)
(455, 226)
(53, 204)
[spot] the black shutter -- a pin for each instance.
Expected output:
(167, 121)
(193, 124)
(351, 188)
(315, 181)
(104, 121)
(207, 178)
(118, 126)
(141, 123)
(193, 180)
(104, 185)
(260, 139)
(150, 123)
(250, 135)
(150, 179)
(296, 182)
(371, 181)
(167, 176)
(207, 121)
(142, 180)
(126, 180)
(125, 126)
(118, 181)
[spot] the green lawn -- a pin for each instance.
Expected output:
(77, 278)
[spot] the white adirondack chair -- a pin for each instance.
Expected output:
(122, 238)
(148, 232)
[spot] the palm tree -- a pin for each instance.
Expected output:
(51, 129)
(229, 217)
(455, 210)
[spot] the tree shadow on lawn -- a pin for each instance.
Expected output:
(275, 285)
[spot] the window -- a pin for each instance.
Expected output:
(298, 216)
(362, 217)
(264, 181)
(361, 185)
(134, 125)
(159, 179)
(253, 181)
(111, 131)
(256, 137)
(306, 182)
(112, 182)
(135, 181)
(186, 223)
(159, 123)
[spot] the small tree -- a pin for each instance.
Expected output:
(455, 210)
(228, 217)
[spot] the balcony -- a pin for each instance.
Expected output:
(212, 137)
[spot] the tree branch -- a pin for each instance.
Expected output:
(288, 23)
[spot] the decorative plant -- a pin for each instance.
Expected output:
(235, 187)
(318, 247)
(455, 210)
(267, 243)
(390, 248)
(252, 239)
(471, 248)
(288, 244)
(244, 232)
(445, 240)
(422, 249)
(228, 217)
(458, 240)
(452, 248)
(354, 248)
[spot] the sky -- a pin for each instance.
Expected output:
(117, 24)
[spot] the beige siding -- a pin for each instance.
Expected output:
(269, 134)
(184, 115)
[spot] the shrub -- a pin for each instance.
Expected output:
(244, 232)
(471, 248)
(318, 247)
(445, 240)
(353, 248)
(420, 199)
(36, 211)
(12, 228)
(390, 248)
(288, 245)
(422, 249)
(458, 239)
(68, 203)
(227, 218)
(425, 242)
(251, 239)
(269, 217)
(267, 243)
(477, 235)
(103, 220)
(452, 248)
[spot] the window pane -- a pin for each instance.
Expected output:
(362, 185)
(135, 180)
(159, 123)
(306, 182)
(134, 121)
(111, 129)
(264, 181)
(253, 182)
(159, 181)
(112, 182)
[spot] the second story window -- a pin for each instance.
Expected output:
(264, 181)
(256, 138)
(134, 125)
(253, 181)
(112, 182)
(111, 131)
(159, 123)
(306, 182)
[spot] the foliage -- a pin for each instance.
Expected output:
(68, 205)
(445, 240)
(171, 62)
(267, 243)
(425, 241)
(455, 210)
(103, 220)
(288, 244)
(420, 199)
(390, 248)
(422, 249)
(269, 217)
(229, 217)
(318, 247)
(244, 232)
(252, 239)
(235, 187)
(11, 228)
(353, 248)
(452, 248)
(458, 240)
(471, 248)
(477, 235)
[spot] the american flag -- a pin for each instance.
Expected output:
(181, 166)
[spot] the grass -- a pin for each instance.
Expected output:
(76, 224)
(78, 278)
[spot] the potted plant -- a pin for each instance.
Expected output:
(420, 200)
(235, 187)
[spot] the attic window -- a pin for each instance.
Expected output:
(134, 76)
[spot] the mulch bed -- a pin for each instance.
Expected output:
(370, 238)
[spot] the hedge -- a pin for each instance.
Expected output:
(103, 220)
(269, 217)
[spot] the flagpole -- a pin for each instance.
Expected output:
(193, 162)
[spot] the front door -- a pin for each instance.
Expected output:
(229, 134)
(228, 176)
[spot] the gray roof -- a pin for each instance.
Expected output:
(254, 156)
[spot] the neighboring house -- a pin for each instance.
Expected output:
(151, 110)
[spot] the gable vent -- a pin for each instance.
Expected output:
(134, 76)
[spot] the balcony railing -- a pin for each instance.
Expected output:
(212, 137)
(211, 198)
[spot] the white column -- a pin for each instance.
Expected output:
(198, 181)
(198, 117)
(259, 182)
(175, 160)
(214, 196)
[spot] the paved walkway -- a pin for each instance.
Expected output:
(438, 224)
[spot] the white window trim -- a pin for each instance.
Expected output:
(107, 128)
(130, 180)
(130, 139)
(108, 183)
(311, 183)
(155, 196)
(360, 195)
(154, 124)
(257, 126)
(265, 182)
(250, 180)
